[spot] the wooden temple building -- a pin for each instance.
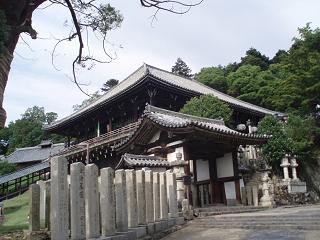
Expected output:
(137, 124)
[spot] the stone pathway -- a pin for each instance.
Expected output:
(296, 223)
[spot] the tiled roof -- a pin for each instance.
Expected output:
(172, 119)
(24, 172)
(168, 78)
(32, 154)
(131, 160)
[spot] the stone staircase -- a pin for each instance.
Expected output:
(279, 219)
(219, 210)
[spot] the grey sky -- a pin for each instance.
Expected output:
(216, 32)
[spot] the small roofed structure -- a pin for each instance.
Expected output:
(27, 156)
(142, 161)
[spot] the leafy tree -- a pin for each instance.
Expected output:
(244, 81)
(27, 131)
(87, 101)
(6, 167)
(255, 58)
(213, 77)
(109, 84)
(295, 137)
(89, 17)
(181, 68)
(278, 57)
(207, 106)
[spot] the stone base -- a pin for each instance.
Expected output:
(265, 202)
(129, 235)
(141, 231)
(171, 222)
(232, 202)
(173, 215)
(297, 187)
(114, 237)
(151, 228)
(180, 221)
(164, 225)
(36, 235)
(158, 227)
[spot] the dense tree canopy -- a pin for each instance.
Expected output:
(207, 106)
(181, 68)
(214, 77)
(289, 83)
(27, 131)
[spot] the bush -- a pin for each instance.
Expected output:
(7, 167)
(207, 106)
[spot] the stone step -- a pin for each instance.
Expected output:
(208, 213)
(228, 208)
(261, 227)
(270, 222)
(250, 218)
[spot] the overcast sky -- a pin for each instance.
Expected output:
(216, 32)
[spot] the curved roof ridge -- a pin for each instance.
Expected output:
(150, 108)
(105, 96)
(214, 90)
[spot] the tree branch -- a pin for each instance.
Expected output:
(78, 30)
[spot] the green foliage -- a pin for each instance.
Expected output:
(102, 18)
(181, 68)
(255, 58)
(16, 214)
(109, 84)
(6, 167)
(87, 101)
(27, 131)
(214, 77)
(294, 136)
(207, 106)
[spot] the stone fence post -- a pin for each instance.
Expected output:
(34, 215)
(141, 197)
(156, 196)
(172, 194)
(77, 201)
(121, 201)
(132, 198)
(59, 199)
(149, 196)
(107, 202)
(163, 197)
(92, 201)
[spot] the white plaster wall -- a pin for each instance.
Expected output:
(202, 170)
(225, 166)
(172, 156)
(230, 190)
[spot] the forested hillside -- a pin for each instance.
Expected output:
(290, 83)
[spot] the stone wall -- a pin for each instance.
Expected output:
(121, 204)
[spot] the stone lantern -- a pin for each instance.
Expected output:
(178, 169)
(294, 165)
(285, 164)
(265, 200)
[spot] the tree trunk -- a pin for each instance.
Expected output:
(5, 63)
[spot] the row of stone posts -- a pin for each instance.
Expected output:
(121, 204)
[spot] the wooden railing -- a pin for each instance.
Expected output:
(110, 137)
